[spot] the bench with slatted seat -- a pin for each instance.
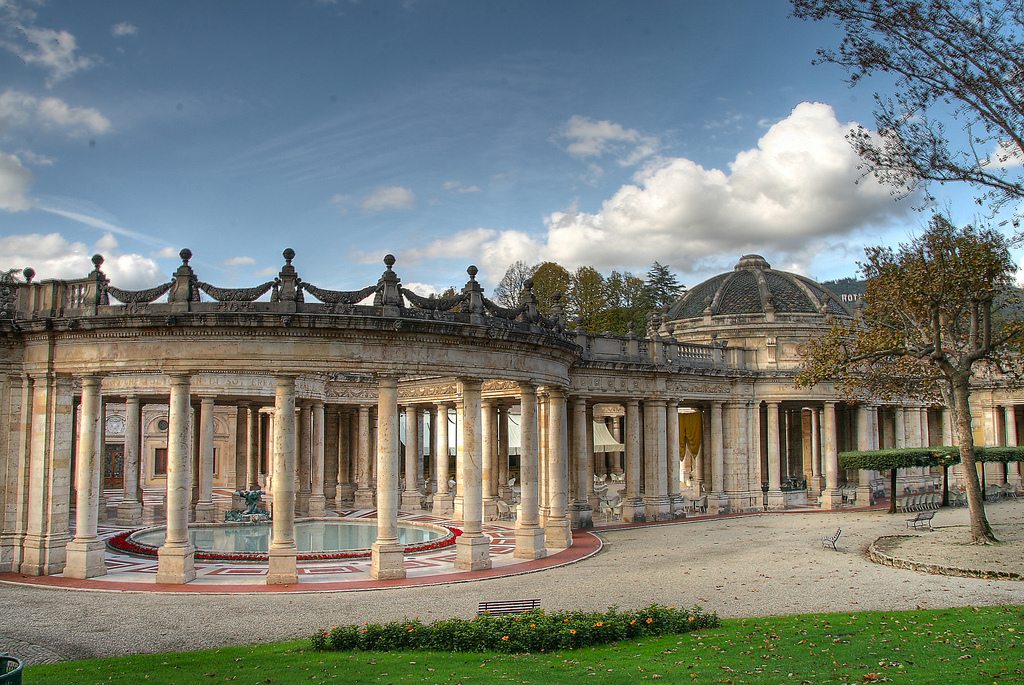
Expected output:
(508, 606)
(827, 540)
(921, 517)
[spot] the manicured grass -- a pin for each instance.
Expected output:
(984, 645)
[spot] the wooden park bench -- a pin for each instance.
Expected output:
(827, 540)
(510, 606)
(921, 517)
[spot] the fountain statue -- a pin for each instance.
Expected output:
(252, 513)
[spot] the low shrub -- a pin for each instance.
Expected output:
(533, 631)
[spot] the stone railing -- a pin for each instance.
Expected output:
(655, 352)
(94, 296)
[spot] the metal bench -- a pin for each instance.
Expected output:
(511, 606)
(921, 517)
(827, 540)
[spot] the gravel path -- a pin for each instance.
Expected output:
(742, 566)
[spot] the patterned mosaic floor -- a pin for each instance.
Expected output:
(131, 573)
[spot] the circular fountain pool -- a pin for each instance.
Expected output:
(315, 539)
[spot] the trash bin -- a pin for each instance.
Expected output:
(10, 670)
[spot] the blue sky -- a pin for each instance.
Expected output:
(447, 132)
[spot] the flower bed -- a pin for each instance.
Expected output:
(123, 542)
(533, 631)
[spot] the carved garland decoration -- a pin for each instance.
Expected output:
(235, 294)
(138, 296)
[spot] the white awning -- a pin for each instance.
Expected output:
(603, 440)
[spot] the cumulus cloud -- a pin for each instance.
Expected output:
(165, 253)
(389, 197)
(457, 187)
(21, 109)
(54, 51)
(798, 187)
(123, 29)
(54, 257)
(15, 182)
(238, 261)
(590, 138)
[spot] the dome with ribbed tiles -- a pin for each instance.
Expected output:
(754, 288)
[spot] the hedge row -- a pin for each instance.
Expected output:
(533, 631)
(882, 460)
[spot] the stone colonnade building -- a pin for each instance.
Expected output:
(331, 404)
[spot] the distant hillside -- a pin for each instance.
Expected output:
(849, 289)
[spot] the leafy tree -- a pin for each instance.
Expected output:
(627, 302)
(588, 298)
(511, 286)
(958, 59)
(550, 278)
(662, 287)
(929, 324)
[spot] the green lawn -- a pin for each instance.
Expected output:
(981, 645)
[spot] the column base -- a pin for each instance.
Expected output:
(365, 499)
(46, 556)
(302, 503)
(282, 568)
(633, 511)
(442, 505)
(557, 533)
(388, 561)
(530, 543)
(677, 505)
(129, 513)
(864, 498)
(831, 499)
(506, 493)
(176, 565)
(776, 500)
(412, 500)
(581, 515)
(490, 509)
(85, 559)
(345, 495)
(658, 509)
(472, 552)
(205, 512)
(317, 505)
(457, 508)
(102, 507)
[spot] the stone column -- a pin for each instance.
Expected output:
(864, 443)
(1013, 475)
(718, 460)
(317, 505)
(557, 531)
(387, 553)
(176, 558)
(593, 499)
(776, 500)
(677, 505)
(457, 496)
(815, 486)
(442, 505)
(529, 534)
(364, 498)
(346, 487)
(252, 444)
(129, 511)
(581, 514)
(204, 506)
(700, 460)
(305, 457)
(655, 448)
(47, 514)
(489, 470)
(282, 556)
(472, 551)
(412, 498)
(505, 492)
(831, 497)
(632, 505)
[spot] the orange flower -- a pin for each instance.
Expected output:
(691, 618)
(633, 622)
(573, 632)
(505, 637)
(650, 620)
(598, 624)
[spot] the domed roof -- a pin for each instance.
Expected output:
(753, 287)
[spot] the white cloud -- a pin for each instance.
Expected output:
(123, 29)
(165, 253)
(798, 187)
(389, 197)
(423, 289)
(1006, 156)
(29, 157)
(590, 138)
(238, 261)
(15, 182)
(53, 257)
(20, 109)
(267, 272)
(51, 50)
(457, 187)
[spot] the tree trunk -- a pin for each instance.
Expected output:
(892, 490)
(981, 531)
